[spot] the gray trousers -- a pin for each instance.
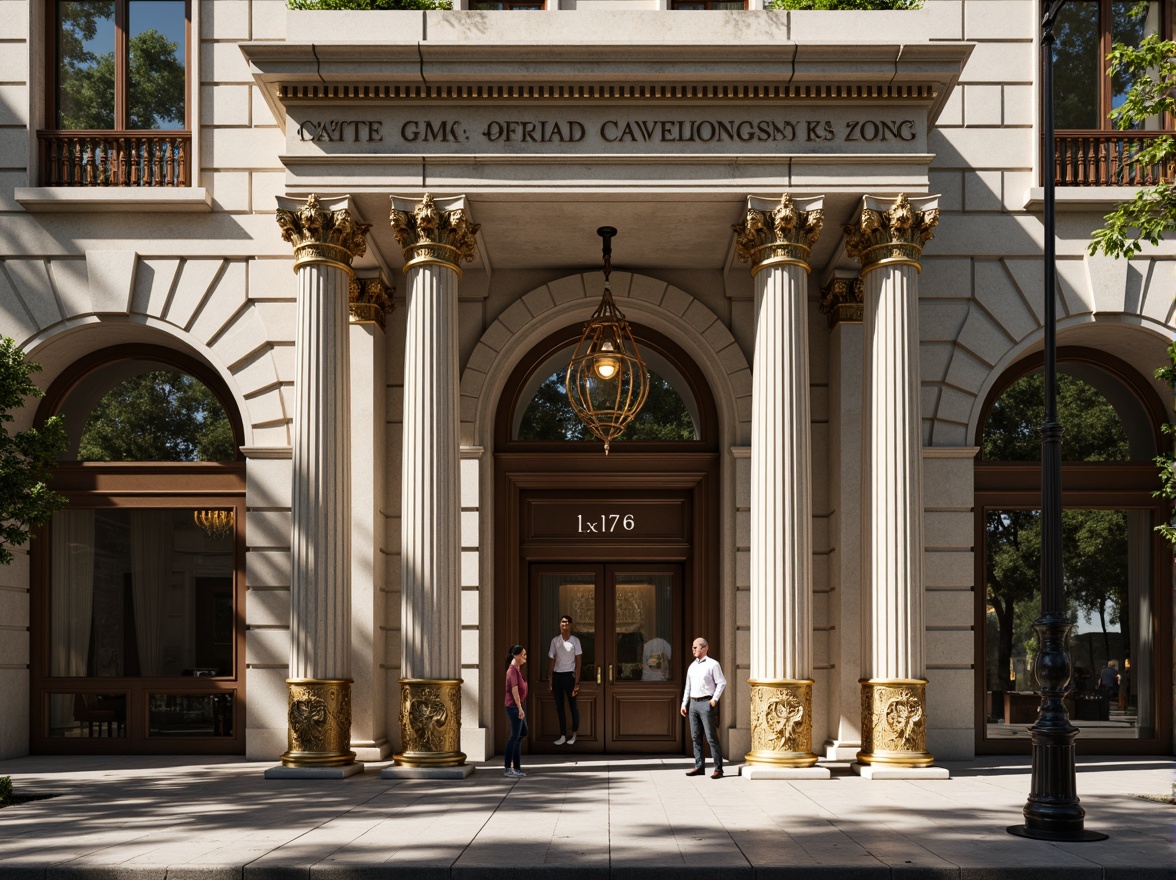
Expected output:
(704, 718)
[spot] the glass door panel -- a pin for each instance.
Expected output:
(644, 689)
(573, 591)
(628, 619)
(1107, 578)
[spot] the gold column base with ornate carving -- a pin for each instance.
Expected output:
(318, 717)
(430, 723)
(781, 723)
(894, 722)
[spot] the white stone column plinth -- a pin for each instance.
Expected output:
(776, 239)
(436, 236)
(326, 238)
(888, 240)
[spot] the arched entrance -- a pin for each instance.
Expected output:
(1117, 570)
(623, 543)
(138, 584)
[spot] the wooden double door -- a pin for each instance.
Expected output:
(629, 620)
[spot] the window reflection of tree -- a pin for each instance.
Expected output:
(1107, 547)
(88, 64)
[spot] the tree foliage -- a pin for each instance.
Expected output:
(549, 415)
(158, 416)
(1093, 430)
(370, 4)
(1166, 460)
(26, 456)
(1149, 70)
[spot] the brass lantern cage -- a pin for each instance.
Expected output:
(608, 381)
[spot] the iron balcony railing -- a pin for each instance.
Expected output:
(1103, 158)
(114, 158)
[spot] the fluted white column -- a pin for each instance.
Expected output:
(776, 239)
(888, 240)
(436, 236)
(325, 239)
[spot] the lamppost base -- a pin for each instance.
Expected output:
(1081, 836)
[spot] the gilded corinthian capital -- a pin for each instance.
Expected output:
(432, 233)
(841, 300)
(322, 233)
(778, 234)
(892, 235)
(369, 300)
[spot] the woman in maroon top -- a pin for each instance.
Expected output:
(516, 698)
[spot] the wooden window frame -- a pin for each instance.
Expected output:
(119, 156)
(1092, 157)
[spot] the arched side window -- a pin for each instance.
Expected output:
(1113, 562)
(138, 606)
(679, 408)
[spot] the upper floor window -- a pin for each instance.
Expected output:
(708, 4)
(119, 96)
(507, 4)
(121, 64)
(1088, 150)
(1084, 94)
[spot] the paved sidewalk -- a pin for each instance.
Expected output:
(140, 818)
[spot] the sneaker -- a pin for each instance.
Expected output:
(508, 772)
(562, 740)
(572, 741)
(518, 774)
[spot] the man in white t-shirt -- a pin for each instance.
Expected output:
(563, 677)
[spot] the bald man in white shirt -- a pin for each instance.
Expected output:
(700, 703)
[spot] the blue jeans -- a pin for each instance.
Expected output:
(704, 719)
(514, 744)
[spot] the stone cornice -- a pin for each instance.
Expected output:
(392, 64)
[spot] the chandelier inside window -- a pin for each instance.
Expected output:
(217, 524)
(607, 379)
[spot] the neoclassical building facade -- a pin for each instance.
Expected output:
(308, 303)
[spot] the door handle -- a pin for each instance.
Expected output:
(610, 681)
(598, 675)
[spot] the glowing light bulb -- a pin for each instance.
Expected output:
(605, 364)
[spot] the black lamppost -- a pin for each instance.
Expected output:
(1052, 811)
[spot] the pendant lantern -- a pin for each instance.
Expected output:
(608, 381)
